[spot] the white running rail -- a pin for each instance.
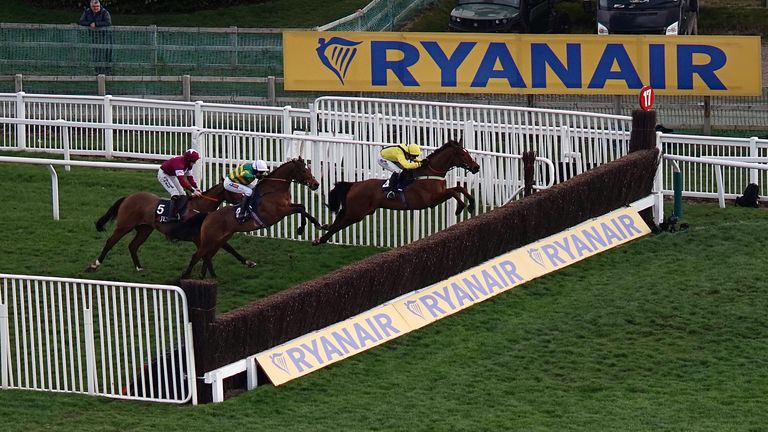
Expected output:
(115, 339)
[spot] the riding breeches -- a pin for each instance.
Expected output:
(389, 165)
(170, 183)
(235, 187)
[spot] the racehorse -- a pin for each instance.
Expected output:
(274, 203)
(138, 211)
(354, 201)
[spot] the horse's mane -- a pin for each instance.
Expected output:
(450, 144)
(271, 173)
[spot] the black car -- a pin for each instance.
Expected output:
(662, 17)
(502, 16)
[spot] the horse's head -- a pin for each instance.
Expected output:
(452, 154)
(297, 170)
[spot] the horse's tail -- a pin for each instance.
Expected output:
(338, 196)
(189, 229)
(109, 215)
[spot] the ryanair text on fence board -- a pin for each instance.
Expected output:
(530, 64)
(342, 340)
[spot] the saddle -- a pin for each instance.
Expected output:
(162, 213)
(398, 182)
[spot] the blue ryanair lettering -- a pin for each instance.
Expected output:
(498, 52)
(345, 341)
(618, 228)
(445, 297)
(543, 56)
(314, 350)
(380, 65)
(363, 335)
(297, 357)
(492, 283)
(504, 281)
(430, 302)
(475, 287)
(686, 69)
(594, 237)
(564, 245)
(629, 225)
(384, 322)
(615, 53)
(510, 270)
(658, 64)
(608, 233)
(551, 253)
(330, 349)
(580, 246)
(373, 328)
(461, 295)
(448, 65)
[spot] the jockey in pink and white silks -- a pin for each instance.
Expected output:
(175, 175)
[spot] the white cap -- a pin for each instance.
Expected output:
(259, 165)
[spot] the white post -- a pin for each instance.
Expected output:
(753, 153)
(720, 191)
(108, 135)
(90, 355)
(54, 191)
(217, 388)
(378, 128)
(287, 124)
(197, 144)
(191, 370)
(658, 186)
(65, 143)
(313, 120)
(21, 129)
(199, 115)
(251, 373)
(4, 343)
(469, 135)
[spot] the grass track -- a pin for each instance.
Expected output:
(665, 333)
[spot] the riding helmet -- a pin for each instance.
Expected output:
(259, 165)
(414, 150)
(191, 155)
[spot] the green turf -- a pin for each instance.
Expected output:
(667, 333)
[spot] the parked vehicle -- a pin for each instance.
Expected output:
(506, 16)
(663, 17)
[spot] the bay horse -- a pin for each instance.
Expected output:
(137, 212)
(274, 192)
(354, 201)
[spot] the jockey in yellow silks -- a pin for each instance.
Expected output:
(397, 158)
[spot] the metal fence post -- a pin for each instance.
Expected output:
(271, 98)
(287, 124)
(108, 132)
(21, 129)
(186, 88)
(65, 143)
(199, 120)
(617, 104)
(707, 115)
(153, 43)
(4, 346)
(101, 84)
(233, 43)
(54, 191)
(753, 153)
(18, 83)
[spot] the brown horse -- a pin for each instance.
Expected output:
(354, 201)
(137, 211)
(274, 191)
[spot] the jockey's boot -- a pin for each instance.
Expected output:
(173, 207)
(393, 181)
(182, 201)
(242, 212)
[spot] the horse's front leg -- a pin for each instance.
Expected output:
(470, 205)
(246, 262)
(299, 208)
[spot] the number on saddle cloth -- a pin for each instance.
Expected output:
(163, 211)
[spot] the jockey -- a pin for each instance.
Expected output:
(397, 158)
(175, 175)
(243, 179)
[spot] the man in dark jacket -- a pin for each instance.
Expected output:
(98, 20)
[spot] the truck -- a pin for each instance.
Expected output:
(507, 16)
(659, 17)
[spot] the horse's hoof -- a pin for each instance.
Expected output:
(139, 269)
(250, 264)
(299, 231)
(93, 267)
(315, 242)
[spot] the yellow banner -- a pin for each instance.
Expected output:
(522, 64)
(383, 323)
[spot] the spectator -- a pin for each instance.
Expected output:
(98, 20)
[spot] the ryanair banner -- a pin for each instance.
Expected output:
(530, 64)
(410, 312)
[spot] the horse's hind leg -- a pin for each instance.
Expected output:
(142, 233)
(111, 242)
(339, 224)
(192, 262)
(208, 265)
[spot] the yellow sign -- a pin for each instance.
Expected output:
(522, 64)
(383, 323)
